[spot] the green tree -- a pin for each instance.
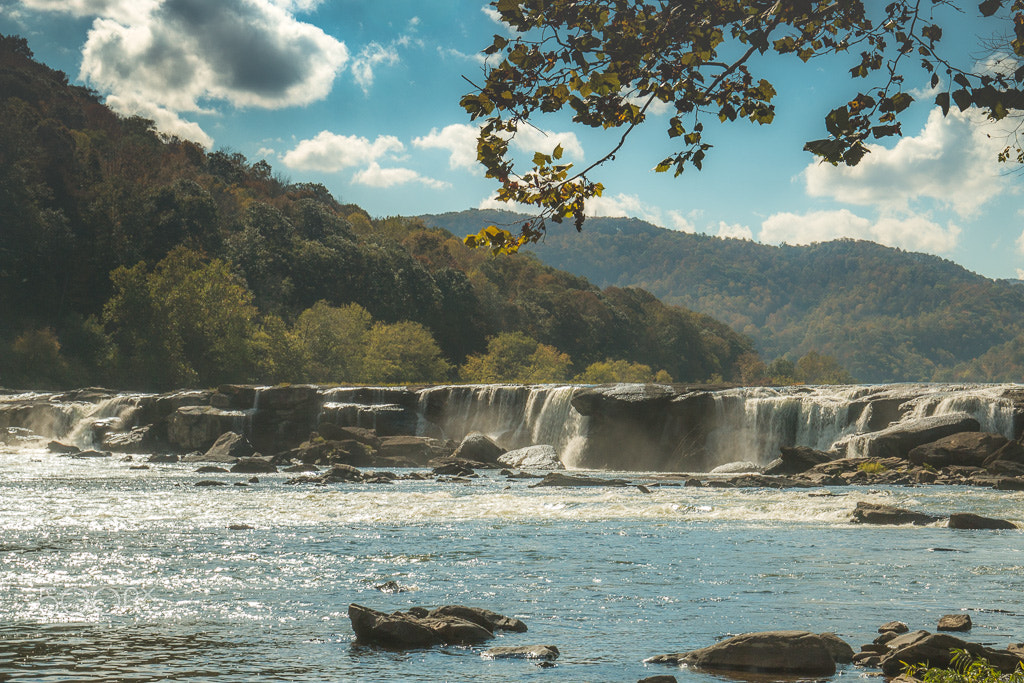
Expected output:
(516, 357)
(610, 371)
(608, 62)
(334, 340)
(190, 321)
(403, 352)
(817, 368)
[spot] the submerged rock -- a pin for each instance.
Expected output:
(797, 653)
(541, 652)
(560, 479)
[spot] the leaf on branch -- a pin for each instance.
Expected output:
(942, 100)
(989, 7)
(963, 99)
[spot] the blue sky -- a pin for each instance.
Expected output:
(362, 96)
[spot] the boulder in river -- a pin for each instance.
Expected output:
(795, 460)
(875, 513)
(791, 653)
(419, 627)
(254, 465)
(540, 457)
(967, 520)
(970, 449)
(898, 440)
(479, 447)
(921, 647)
(228, 448)
(955, 622)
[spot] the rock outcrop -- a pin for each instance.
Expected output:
(789, 653)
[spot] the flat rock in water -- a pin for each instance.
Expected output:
(253, 465)
(415, 628)
(560, 479)
(967, 520)
(492, 621)
(874, 513)
(738, 467)
(797, 653)
(542, 652)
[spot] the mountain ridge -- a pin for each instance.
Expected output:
(886, 314)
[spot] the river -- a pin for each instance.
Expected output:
(114, 574)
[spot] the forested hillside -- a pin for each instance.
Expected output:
(132, 260)
(885, 314)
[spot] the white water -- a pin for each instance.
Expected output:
(748, 424)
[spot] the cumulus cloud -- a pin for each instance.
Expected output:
(951, 162)
(375, 176)
(734, 231)
(677, 221)
(623, 205)
(329, 152)
(166, 121)
(913, 232)
(369, 58)
(1020, 243)
(530, 139)
(171, 55)
(458, 139)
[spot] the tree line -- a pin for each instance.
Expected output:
(134, 260)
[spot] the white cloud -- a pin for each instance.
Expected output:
(246, 52)
(122, 10)
(952, 162)
(459, 139)
(166, 121)
(734, 231)
(492, 14)
(530, 139)
(375, 176)
(623, 206)
(1020, 242)
(677, 221)
(913, 232)
(371, 57)
(330, 152)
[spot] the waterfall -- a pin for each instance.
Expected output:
(78, 423)
(513, 415)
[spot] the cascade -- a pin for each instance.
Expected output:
(513, 415)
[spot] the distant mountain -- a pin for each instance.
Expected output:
(886, 314)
